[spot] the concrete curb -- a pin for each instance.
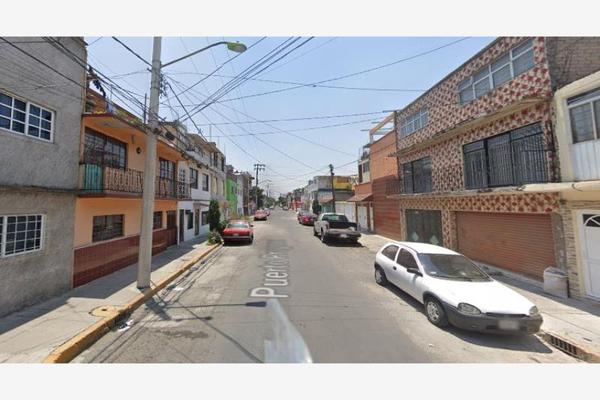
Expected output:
(577, 350)
(84, 339)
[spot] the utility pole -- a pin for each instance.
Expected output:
(257, 167)
(332, 186)
(145, 249)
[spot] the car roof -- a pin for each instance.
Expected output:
(424, 247)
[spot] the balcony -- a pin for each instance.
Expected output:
(102, 181)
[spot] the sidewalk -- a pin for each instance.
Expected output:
(573, 321)
(30, 335)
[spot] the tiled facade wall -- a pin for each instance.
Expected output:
(442, 101)
(531, 203)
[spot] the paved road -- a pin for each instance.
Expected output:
(331, 298)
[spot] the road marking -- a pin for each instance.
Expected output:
(276, 274)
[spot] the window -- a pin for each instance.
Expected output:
(512, 158)
(407, 260)
(223, 164)
(506, 67)
(193, 178)
(417, 176)
(205, 180)
(100, 149)
(107, 227)
(390, 252)
(166, 169)
(204, 217)
(25, 118)
(157, 220)
(414, 122)
(584, 113)
(20, 234)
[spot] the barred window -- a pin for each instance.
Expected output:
(100, 149)
(417, 176)
(193, 178)
(20, 234)
(205, 182)
(584, 113)
(204, 218)
(157, 220)
(107, 227)
(26, 118)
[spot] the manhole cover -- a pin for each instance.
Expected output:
(104, 311)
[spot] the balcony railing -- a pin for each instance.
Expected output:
(102, 179)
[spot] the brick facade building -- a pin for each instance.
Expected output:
(477, 155)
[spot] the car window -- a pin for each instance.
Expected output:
(407, 260)
(335, 217)
(452, 266)
(390, 252)
(237, 225)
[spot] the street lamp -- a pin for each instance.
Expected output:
(145, 247)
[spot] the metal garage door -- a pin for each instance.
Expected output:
(521, 243)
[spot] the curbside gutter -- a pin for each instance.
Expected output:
(570, 347)
(84, 339)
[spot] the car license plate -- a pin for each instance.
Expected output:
(236, 234)
(508, 325)
(343, 236)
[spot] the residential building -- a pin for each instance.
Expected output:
(319, 188)
(40, 121)
(215, 170)
(577, 111)
(359, 208)
(244, 180)
(109, 202)
(477, 155)
(231, 195)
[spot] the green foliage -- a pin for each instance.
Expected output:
(214, 215)
(214, 237)
(221, 226)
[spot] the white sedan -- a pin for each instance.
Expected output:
(454, 290)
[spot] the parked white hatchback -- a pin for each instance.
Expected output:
(454, 290)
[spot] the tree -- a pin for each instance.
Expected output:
(214, 215)
(316, 207)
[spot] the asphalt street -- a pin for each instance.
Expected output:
(217, 312)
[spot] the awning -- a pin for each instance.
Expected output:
(361, 197)
(325, 200)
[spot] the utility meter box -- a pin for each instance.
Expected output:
(555, 282)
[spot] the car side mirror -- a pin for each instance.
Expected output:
(414, 271)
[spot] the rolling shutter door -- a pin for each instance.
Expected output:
(521, 243)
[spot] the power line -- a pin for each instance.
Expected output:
(250, 70)
(355, 73)
(132, 51)
(302, 55)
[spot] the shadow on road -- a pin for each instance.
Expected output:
(516, 342)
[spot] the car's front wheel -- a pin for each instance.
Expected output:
(323, 237)
(435, 312)
(380, 277)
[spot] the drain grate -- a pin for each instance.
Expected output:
(565, 346)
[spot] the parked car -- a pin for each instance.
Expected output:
(335, 226)
(266, 210)
(454, 290)
(307, 218)
(238, 231)
(260, 215)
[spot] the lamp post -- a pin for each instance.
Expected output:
(145, 248)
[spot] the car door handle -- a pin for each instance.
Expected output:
(394, 268)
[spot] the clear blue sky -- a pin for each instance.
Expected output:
(325, 58)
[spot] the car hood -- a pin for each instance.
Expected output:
(489, 296)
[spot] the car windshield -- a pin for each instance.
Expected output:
(335, 217)
(452, 266)
(237, 225)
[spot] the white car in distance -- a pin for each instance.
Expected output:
(454, 290)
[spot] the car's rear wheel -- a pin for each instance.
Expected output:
(380, 277)
(435, 312)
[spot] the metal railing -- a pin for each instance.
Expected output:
(97, 179)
